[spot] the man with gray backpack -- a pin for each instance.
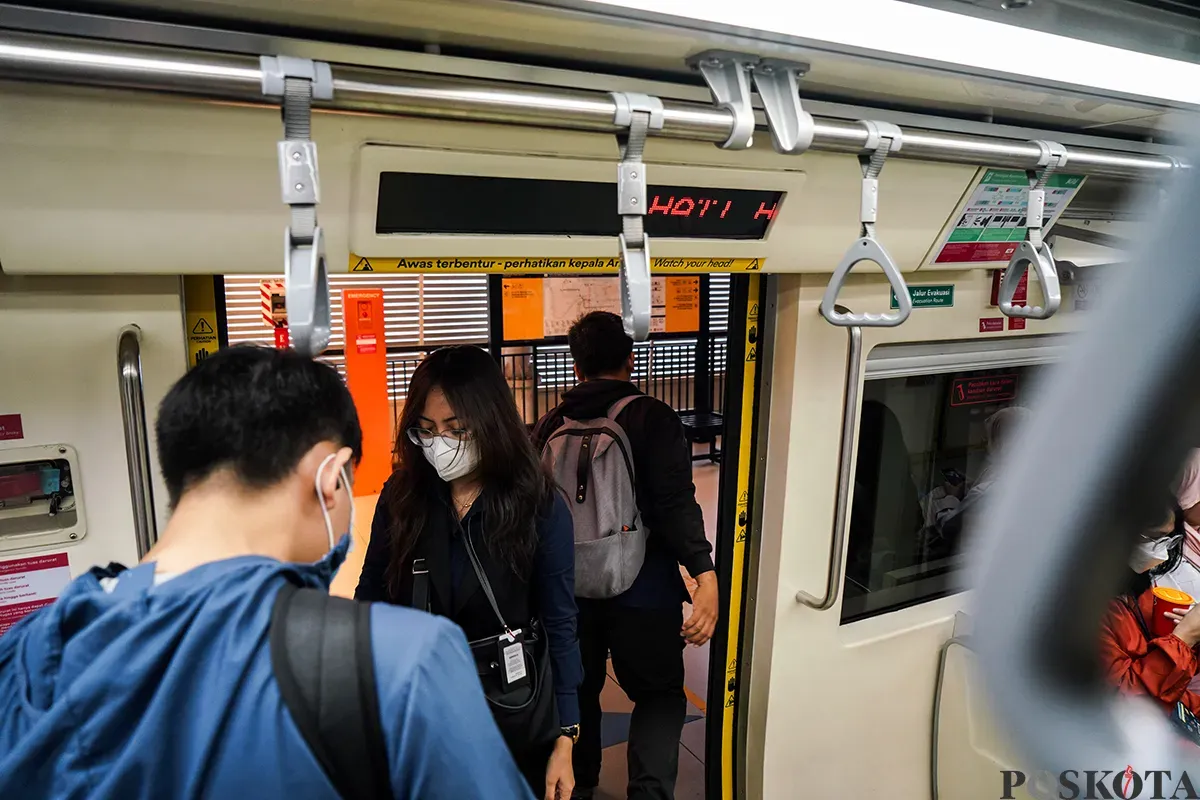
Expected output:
(625, 464)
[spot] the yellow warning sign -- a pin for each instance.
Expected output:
(200, 303)
(538, 266)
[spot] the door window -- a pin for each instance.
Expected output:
(924, 447)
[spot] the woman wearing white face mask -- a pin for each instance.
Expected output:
(1137, 661)
(471, 527)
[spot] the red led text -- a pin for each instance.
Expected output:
(689, 206)
(763, 211)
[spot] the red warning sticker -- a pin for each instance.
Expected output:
(10, 427)
(991, 325)
(1016, 323)
(1020, 294)
(987, 389)
(366, 343)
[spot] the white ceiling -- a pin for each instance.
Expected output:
(534, 32)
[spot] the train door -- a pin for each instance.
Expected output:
(701, 360)
(868, 491)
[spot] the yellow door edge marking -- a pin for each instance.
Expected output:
(200, 317)
(745, 439)
(548, 265)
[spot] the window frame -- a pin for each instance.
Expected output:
(945, 357)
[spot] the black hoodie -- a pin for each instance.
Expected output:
(666, 496)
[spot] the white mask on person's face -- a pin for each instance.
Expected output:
(325, 510)
(1148, 555)
(452, 458)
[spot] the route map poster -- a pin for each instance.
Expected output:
(991, 223)
(536, 308)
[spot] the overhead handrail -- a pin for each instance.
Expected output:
(1034, 249)
(297, 82)
(137, 441)
(1088, 236)
(883, 139)
(231, 77)
(637, 114)
(841, 508)
(1112, 425)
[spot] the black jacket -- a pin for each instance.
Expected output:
(666, 496)
(548, 594)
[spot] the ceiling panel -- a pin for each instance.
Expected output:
(541, 35)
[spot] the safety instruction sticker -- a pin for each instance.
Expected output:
(536, 265)
(201, 317)
(27, 584)
(991, 223)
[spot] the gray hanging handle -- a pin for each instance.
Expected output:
(882, 138)
(297, 81)
(1112, 425)
(638, 114)
(1035, 250)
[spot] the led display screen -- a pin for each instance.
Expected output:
(418, 202)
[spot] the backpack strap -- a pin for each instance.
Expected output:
(322, 660)
(619, 406)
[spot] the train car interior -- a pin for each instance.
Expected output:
(851, 262)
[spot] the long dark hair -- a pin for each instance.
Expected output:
(516, 487)
(1136, 583)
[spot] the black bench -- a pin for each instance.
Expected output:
(704, 427)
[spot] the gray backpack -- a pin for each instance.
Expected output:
(592, 461)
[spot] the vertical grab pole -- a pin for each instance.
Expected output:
(137, 441)
(841, 509)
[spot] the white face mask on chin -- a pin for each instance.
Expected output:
(451, 458)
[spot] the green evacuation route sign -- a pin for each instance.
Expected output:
(936, 296)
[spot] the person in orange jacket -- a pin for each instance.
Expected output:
(1136, 661)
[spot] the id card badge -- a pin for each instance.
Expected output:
(512, 660)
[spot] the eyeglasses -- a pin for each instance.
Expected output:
(423, 437)
(1156, 537)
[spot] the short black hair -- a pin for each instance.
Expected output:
(599, 344)
(254, 410)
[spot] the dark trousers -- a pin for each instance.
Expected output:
(532, 764)
(647, 658)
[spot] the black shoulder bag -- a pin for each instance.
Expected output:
(525, 711)
(322, 660)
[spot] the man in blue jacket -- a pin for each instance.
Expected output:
(157, 682)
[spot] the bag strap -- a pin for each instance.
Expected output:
(619, 406)
(322, 659)
(484, 583)
(420, 594)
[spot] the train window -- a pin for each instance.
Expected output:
(927, 424)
